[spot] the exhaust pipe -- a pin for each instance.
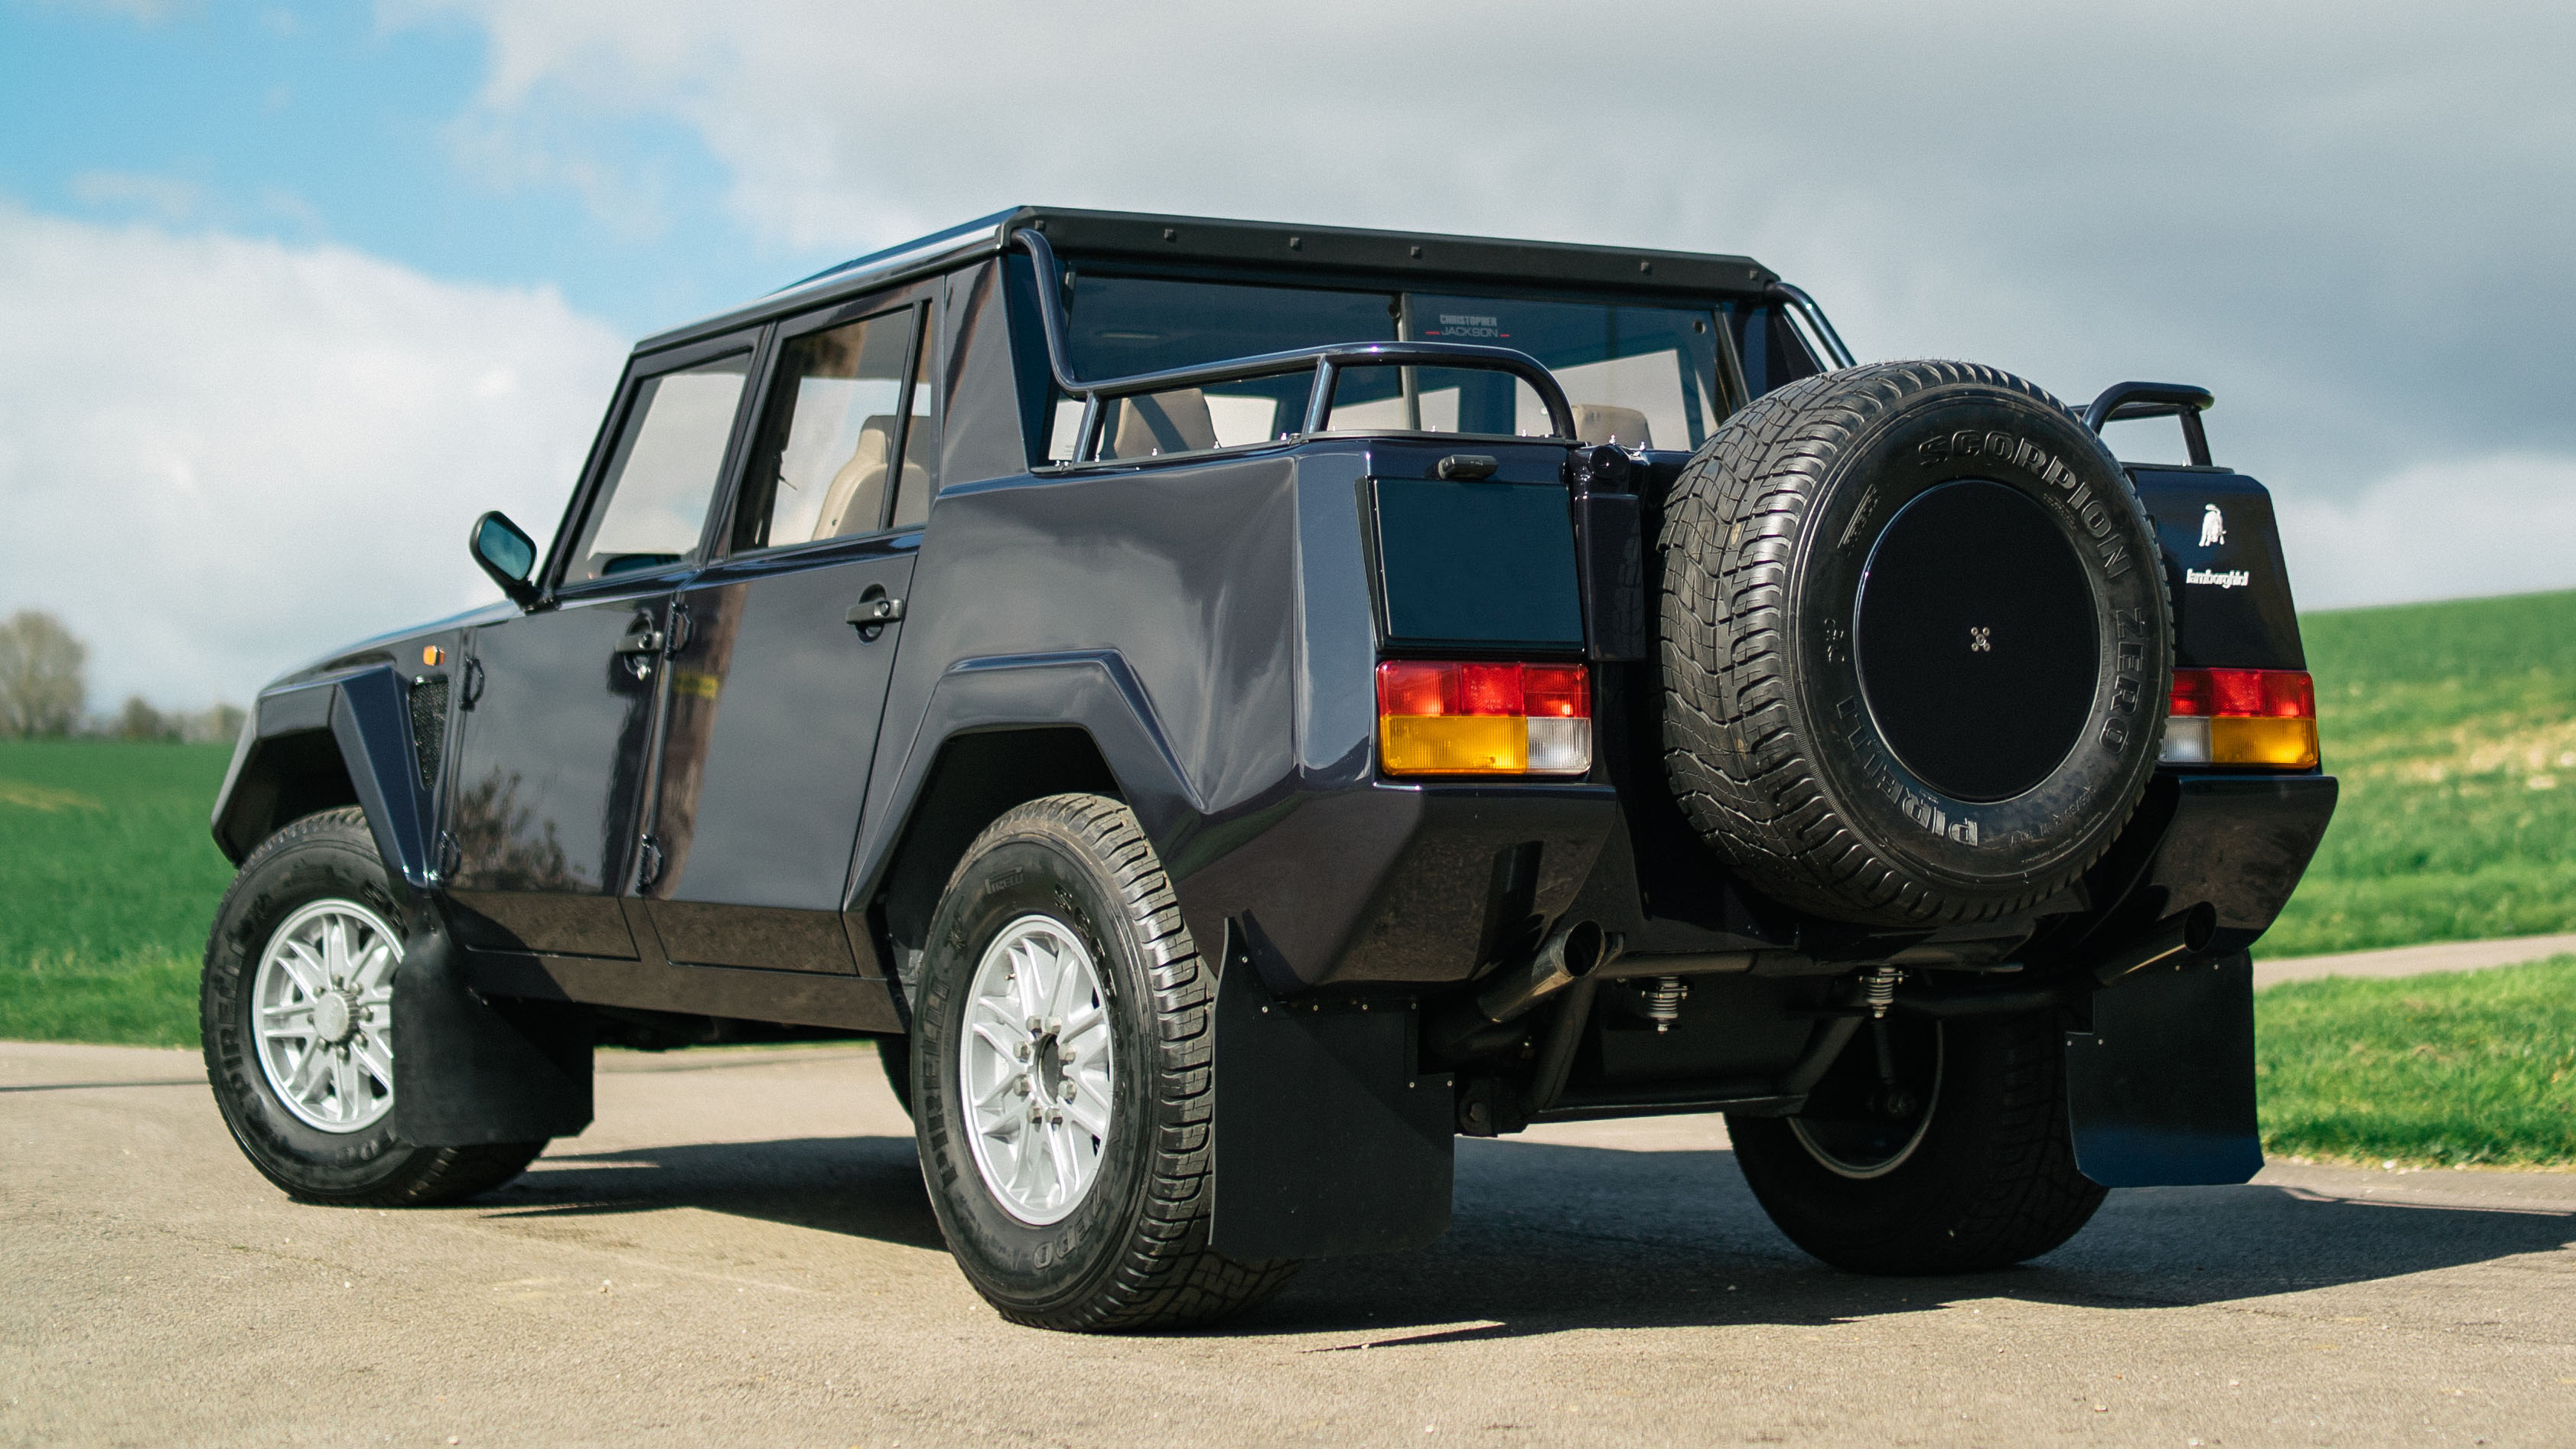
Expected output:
(1565, 957)
(2186, 934)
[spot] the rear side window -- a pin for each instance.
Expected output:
(1773, 351)
(652, 506)
(1126, 325)
(837, 422)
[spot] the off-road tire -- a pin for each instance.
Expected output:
(325, 856)
(1992, 1183)
(1780, 750)
(894, 1055)
(1134, 1254)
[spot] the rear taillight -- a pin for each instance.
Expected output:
(1439, 718)
(2242, 717)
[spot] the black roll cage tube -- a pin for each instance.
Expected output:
(1328, 363)
(2122, 401)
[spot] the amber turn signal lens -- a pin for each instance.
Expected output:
(431, 654)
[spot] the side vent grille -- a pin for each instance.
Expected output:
(429, 724)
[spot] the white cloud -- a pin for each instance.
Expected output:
(2493, 525)
(227, 456)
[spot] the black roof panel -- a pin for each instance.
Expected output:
(1433, 257)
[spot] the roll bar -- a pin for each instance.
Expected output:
(2122, 401)
(1327, 362)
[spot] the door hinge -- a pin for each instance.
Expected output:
(648, 867)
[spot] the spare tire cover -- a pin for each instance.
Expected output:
(1915, 643)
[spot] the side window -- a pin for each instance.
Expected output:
(1770, 347)
(653, 503)
(837, 418)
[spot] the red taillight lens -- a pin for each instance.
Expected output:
(1471, 718)
(1489, 689)
(1407, 687)
(2244, 693)
(1556, 691)
(2242, 717)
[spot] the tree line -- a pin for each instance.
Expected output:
(44, 692)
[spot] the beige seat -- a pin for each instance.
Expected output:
(1163, 422)
(856, 498)
(1602, 423)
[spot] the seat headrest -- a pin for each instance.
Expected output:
(1163, 422)
(1598, 423)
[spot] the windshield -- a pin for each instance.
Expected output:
(1645, 377)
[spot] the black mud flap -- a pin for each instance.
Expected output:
(468, 1071)
(2160, 1093)
(1327, 1142)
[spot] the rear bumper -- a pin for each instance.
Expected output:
(2239, 842)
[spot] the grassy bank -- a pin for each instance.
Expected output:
(2472, 1067)
(108, 881)
(2453, 729)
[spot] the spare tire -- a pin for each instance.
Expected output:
(1915, 642)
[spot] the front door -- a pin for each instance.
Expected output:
(778, 690)
(553, 763)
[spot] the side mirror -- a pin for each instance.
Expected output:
(506, 553)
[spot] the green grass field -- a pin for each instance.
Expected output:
(2453, 729)
(108, 882)
(2465, 1068)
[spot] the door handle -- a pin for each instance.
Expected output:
(648, 642)
(867, 613)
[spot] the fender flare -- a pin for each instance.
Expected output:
(1094, 690)
(364, 714)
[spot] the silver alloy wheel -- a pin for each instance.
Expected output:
(1035, 1070)
(322, 1006)
(1835, 1151)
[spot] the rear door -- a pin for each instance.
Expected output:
(779, 683)
(553, 761)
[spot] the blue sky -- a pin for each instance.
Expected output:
(312, 123)
(289, 292)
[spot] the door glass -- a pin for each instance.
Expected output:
(654, 501)
(830, 438)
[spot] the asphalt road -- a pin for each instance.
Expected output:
(739, 1252)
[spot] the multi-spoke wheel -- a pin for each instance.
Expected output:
(1036, 1070)
(324, 994)
(1060, 1079)
(300, 1039)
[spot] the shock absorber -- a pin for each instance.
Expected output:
(1662, 1000)
(1878, 991)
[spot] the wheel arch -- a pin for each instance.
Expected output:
(344, 739)
(998, 732)
(970, 782)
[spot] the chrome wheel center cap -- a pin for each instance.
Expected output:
(334, 1017)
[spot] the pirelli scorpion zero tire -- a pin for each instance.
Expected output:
(1061, 1082)
(1915, 639)
(295, 1007)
